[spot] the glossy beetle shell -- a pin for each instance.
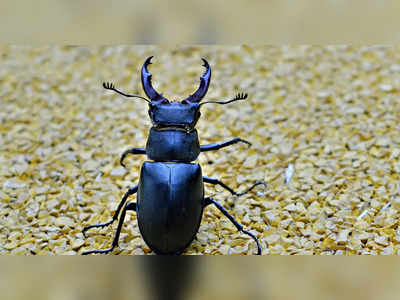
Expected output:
(169, 205)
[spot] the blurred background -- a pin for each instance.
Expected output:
(234, 278)
(208, 21)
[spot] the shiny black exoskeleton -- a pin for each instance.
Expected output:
(170, 193)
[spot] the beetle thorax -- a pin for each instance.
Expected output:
(178, 115)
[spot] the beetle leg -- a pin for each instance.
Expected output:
(216, 181)
(210, 200)
(130, 192)
(128, 206)
(218, 146)
(131, 151)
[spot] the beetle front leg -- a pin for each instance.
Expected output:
(210, 200)
(216, 181)
(128, 206)
(130, 192)
(131, 151)
(217, 146)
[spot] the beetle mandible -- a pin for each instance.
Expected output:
(170, 193)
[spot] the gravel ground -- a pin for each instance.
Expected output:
(323, 122)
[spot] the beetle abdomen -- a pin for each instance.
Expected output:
(169, 205)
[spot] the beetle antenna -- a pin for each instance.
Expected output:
(239, 96)
(110, 86)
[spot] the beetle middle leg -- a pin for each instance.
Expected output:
(217, 146)
(210, 200)
(130, 192)
(133, 151)
(216, 181)
(128, 206)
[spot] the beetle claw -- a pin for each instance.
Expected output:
(121, 161)
(108, 86)
(86, 228)
(98, 251)
(255, 239)
(241, 96)
(246, 142)
(252, 187)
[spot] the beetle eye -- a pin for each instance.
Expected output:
(164, 101)
(184, 102)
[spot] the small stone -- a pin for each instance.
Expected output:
(3, 196)
(64, 221)
(250, 161)
(291, 207)
(33, 209)
(272, 217)
(272, 239)
(388, 250)
(355, 110)
(395, 153)
(224, 249)
(382, 240)
(21, 168)
(240, 179)
(90, 165)
(13, 184)
(10, 245)
(395, 67)
(118, 172)
(342, 237)
(324, 94)
(383, 142)
(23, 196)
(41, 190)
(52, 204)
(76, 244)
(386, 87)
(376, 152)
(396, 203)
(289, 173)
(202, 238)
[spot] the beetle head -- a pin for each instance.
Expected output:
(181, 115)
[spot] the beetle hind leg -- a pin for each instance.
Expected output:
(130, 192)
(210, 200)
(128, 206)
(216, 181)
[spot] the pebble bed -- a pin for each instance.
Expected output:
(324, 123)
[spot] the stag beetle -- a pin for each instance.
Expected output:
(170, 193)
